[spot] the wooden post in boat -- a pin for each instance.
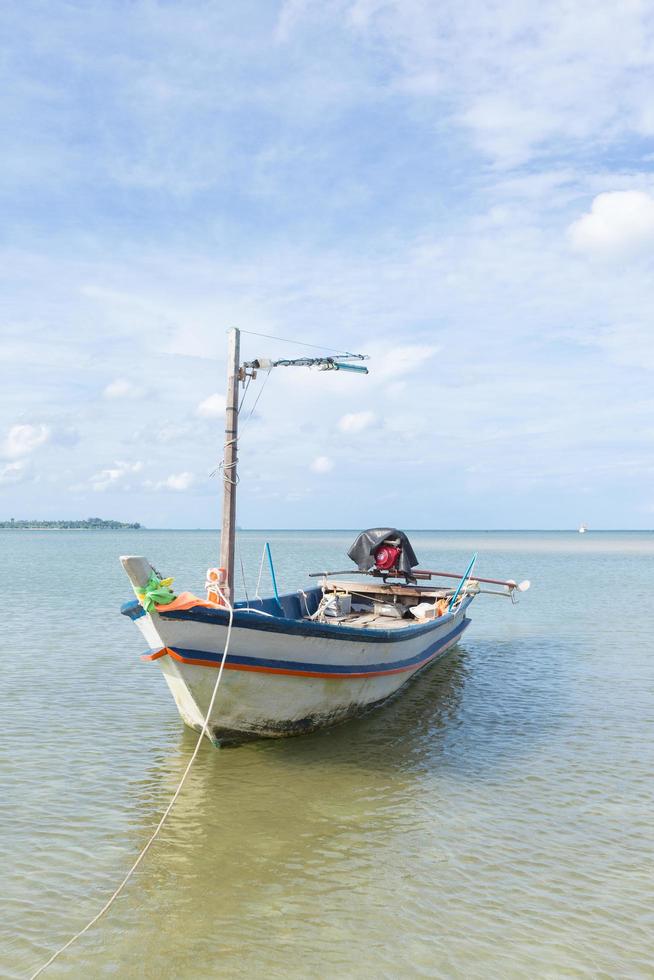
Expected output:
(228, 535)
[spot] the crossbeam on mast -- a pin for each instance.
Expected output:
(341, 363)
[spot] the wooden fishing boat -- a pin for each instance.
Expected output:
(305, 660)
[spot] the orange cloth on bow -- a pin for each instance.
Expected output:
(186, 600)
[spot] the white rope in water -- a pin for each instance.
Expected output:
(109, 903)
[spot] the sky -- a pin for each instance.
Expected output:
(462, 190)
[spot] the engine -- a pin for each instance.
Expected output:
(384, 551)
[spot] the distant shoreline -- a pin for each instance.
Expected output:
(92, 524)
(110, 526)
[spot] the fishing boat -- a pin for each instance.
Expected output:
(582, 528)
(308, 659)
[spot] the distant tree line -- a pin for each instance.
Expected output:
(91, 523)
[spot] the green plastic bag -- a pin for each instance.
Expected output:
(156, 593)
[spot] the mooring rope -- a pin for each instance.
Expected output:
(110, 901)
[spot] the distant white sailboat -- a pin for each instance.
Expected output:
(583, 528)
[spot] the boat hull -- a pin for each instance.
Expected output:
(285, 677)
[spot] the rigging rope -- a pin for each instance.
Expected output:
(227, 477)
(245, 391)
(144, 851)
(298, 343)
(256, 400)
(240, 558)
(221, 465)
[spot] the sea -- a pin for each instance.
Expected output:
(495, 820)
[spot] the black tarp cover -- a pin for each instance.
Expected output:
(363, 550)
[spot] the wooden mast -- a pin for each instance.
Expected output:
(228, 536)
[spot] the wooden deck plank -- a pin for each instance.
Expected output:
(378, 588)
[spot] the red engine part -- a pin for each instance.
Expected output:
(386, 557)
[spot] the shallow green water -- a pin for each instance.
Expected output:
(495, 820)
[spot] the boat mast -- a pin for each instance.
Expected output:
(236, 373)
(228, 536)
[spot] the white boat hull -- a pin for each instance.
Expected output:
(284, 676)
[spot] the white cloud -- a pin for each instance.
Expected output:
(289, 16)
(629, 344)
(176, 481)
(13, 473)
(402, 360)
(463, 255)
(212, 407)
(170, 432)
(24, 439)
(115, 475)
(356, 421)
(322, 464)
(65, 436)
(618, 222)
(519, 77)
(121, 388)
(507, 129)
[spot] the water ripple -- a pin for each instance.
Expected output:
(493, 821)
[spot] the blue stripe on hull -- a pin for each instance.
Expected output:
(198, 657)
(245, 619)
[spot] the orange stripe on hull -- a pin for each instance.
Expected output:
(297, 673)
(157, 654)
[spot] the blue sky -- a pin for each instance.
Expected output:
(462, 190)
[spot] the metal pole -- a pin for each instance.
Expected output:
(274, 578)
(228, 536)
(466, 575)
